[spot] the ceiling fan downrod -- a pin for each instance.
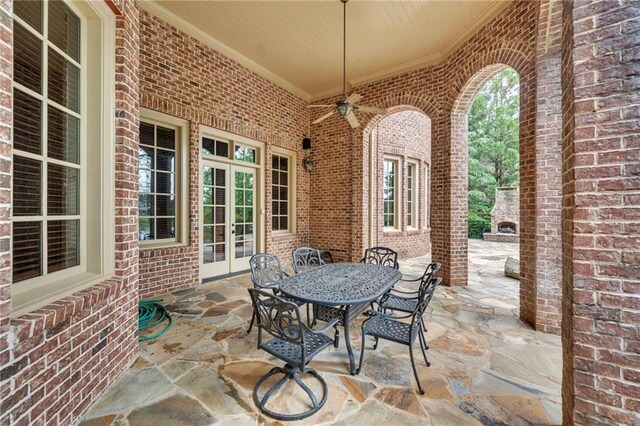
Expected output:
(344, 108)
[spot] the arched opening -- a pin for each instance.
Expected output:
(399, 170)
(486, 138)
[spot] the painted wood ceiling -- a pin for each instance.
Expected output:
(298, 44)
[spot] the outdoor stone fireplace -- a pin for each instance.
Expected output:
(505, 216)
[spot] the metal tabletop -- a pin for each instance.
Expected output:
(338, 284)
(347, 288)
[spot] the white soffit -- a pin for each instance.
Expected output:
(298, 44)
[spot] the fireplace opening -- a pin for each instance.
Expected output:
(507, 228)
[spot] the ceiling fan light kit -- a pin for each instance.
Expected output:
(346, 106)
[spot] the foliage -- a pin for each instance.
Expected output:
(493, 145)
(478, 225)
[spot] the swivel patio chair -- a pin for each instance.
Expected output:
(406, 301)
(294, 343)
(381, 256)
(267, 274)
(383, 326)
(305, 258)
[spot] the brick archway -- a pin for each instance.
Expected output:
(394, 102)
(459, 182)
(409, 242)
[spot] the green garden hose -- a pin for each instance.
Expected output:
(150, 314)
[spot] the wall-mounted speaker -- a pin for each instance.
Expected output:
(306, 143)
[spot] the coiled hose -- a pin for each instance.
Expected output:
(150, 314)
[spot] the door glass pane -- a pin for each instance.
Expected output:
(62, 244)
(213, 201)
(244, 215)
(207, 254)
(27, 250)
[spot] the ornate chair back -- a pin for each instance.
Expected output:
(305, 258)
(429, 275)
(423, 301)
(280, 318)
(266, 271)
(381, 256)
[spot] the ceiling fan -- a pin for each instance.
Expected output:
(346, 105)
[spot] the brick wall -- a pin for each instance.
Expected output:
(6, 124)
(601, 212)
(405, 134)
(443, 93)
(548, 169)
(59, 358)
(182, 77)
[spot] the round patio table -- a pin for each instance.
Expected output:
(345, 289)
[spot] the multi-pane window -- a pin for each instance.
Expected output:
(157, 182)
(389, 193)
(216, 147)
(47, 161)
(280, 192)
(425, 196)
(412, 178)
(244, 153)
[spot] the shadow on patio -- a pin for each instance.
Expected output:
(487, 366)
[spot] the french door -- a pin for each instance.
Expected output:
(228, 217)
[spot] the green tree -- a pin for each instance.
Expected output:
(493, 145)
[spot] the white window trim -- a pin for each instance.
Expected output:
(293, 170)
(425, 194)
(414, 194)
(97, 21)
(397, 211)
(182, 177)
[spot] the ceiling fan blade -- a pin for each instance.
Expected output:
(353, 98)
(327, 115)
(321, 106)
(351, 118)
(372, 110)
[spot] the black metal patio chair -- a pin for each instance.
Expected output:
(381, 256)
(292, 342)
(267, 274)
(305, 258)
(406, 301)
(387, 327)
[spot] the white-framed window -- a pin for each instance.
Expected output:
(390, 193)
(425, 195)
(63, 132)
(283, 189)
(163, 173)
(412, 195)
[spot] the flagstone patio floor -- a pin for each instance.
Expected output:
(487, 367)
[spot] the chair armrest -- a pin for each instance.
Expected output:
(327, 326)
(391, 316)
(395, 290)
(413, 280)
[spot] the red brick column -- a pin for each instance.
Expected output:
(6, 122)
(548, 288)
(601, 213)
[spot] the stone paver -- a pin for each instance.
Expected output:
(487, 366)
